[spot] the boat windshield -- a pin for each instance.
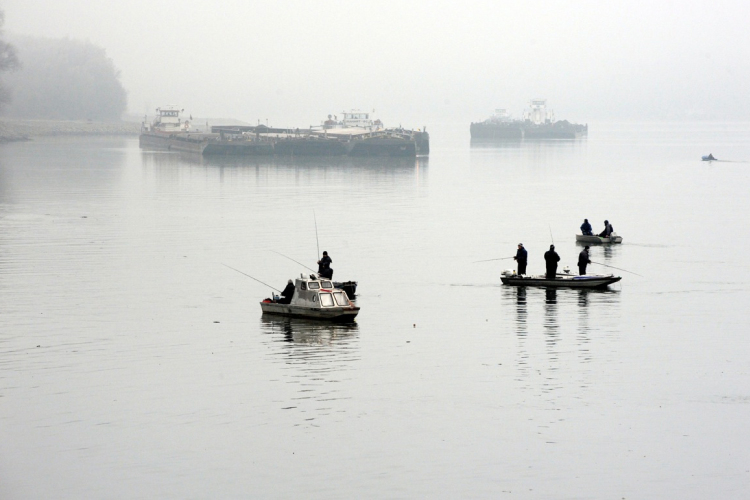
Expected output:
(341, 298)
(314, 285)
(326, 284)
(326, 300)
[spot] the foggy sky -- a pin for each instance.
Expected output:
(415, 62)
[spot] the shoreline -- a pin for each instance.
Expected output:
(13, 130)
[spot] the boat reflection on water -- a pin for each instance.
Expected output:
(309, 332)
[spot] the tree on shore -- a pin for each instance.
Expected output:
(64, 79)
(8, 61)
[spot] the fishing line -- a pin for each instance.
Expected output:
(256, 279)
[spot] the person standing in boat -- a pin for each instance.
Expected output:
(583, 260)
(551, 259)
(608, 229)
(287, 293)
(521, 257)
(586, 228)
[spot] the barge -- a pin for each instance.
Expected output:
(538, 123)
(355, 135)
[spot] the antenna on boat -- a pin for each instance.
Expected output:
(256, 279)
(613, 267)
(317, 241)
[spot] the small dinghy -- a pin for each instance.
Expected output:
(563, 280)
(613, 238)
(313, 299)
(710, 157)
(350, 287)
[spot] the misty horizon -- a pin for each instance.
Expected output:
(293, 63)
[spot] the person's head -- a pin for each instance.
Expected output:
(606, 222)
(586, 247)
(520, 245)
(290, 282)
(326, 253)
(552, 247)
(586, 221)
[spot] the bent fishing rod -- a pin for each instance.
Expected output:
(488, 260)
(619, 269)
(256, 279)
(300, 263)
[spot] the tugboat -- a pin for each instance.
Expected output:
(562, 280)
(710, 157)
(314, 298)
(538, 123)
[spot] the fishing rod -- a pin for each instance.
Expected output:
(501, 258)
(256, 279)
(300, 263)
(317, 241)
(619, 269)
(550, 233)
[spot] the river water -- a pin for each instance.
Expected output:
(134, 364)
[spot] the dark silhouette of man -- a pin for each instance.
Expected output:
(551, 259)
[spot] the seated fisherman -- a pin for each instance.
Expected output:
(586, 228)
(608, 229)
(287, 294)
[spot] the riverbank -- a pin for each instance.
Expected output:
(27, 130)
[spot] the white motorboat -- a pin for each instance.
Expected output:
(313, 298)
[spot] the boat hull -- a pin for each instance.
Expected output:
(342, 314)
(597, 239)
(563, 281)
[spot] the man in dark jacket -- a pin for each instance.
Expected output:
(586, 228)
(608, 229)
(551, 259)
(521, 257)
(287, 294)
(324, 262)
(583, 260)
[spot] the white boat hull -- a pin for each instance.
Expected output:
(324, 313)
(598, 239)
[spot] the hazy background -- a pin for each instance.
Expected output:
(416, 61)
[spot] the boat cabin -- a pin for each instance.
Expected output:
(168, 120)
(318, 293)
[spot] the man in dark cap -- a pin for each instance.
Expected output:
(324, 266)
(583, 260)
(521, 257)
(586, 228)
(287, 294)
(608, 229)
(551, 258)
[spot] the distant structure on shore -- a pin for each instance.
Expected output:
(538, 123)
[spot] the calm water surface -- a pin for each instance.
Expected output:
(133, 364)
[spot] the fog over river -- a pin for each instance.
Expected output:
(133, 364)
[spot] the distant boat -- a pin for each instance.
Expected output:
(613, 238)
(710, 157)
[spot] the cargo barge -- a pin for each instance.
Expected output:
(538, 123)
(355, 135)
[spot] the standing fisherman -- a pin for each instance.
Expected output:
(551, 258)
(521, 257)
(586, 228)
(583, 260)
